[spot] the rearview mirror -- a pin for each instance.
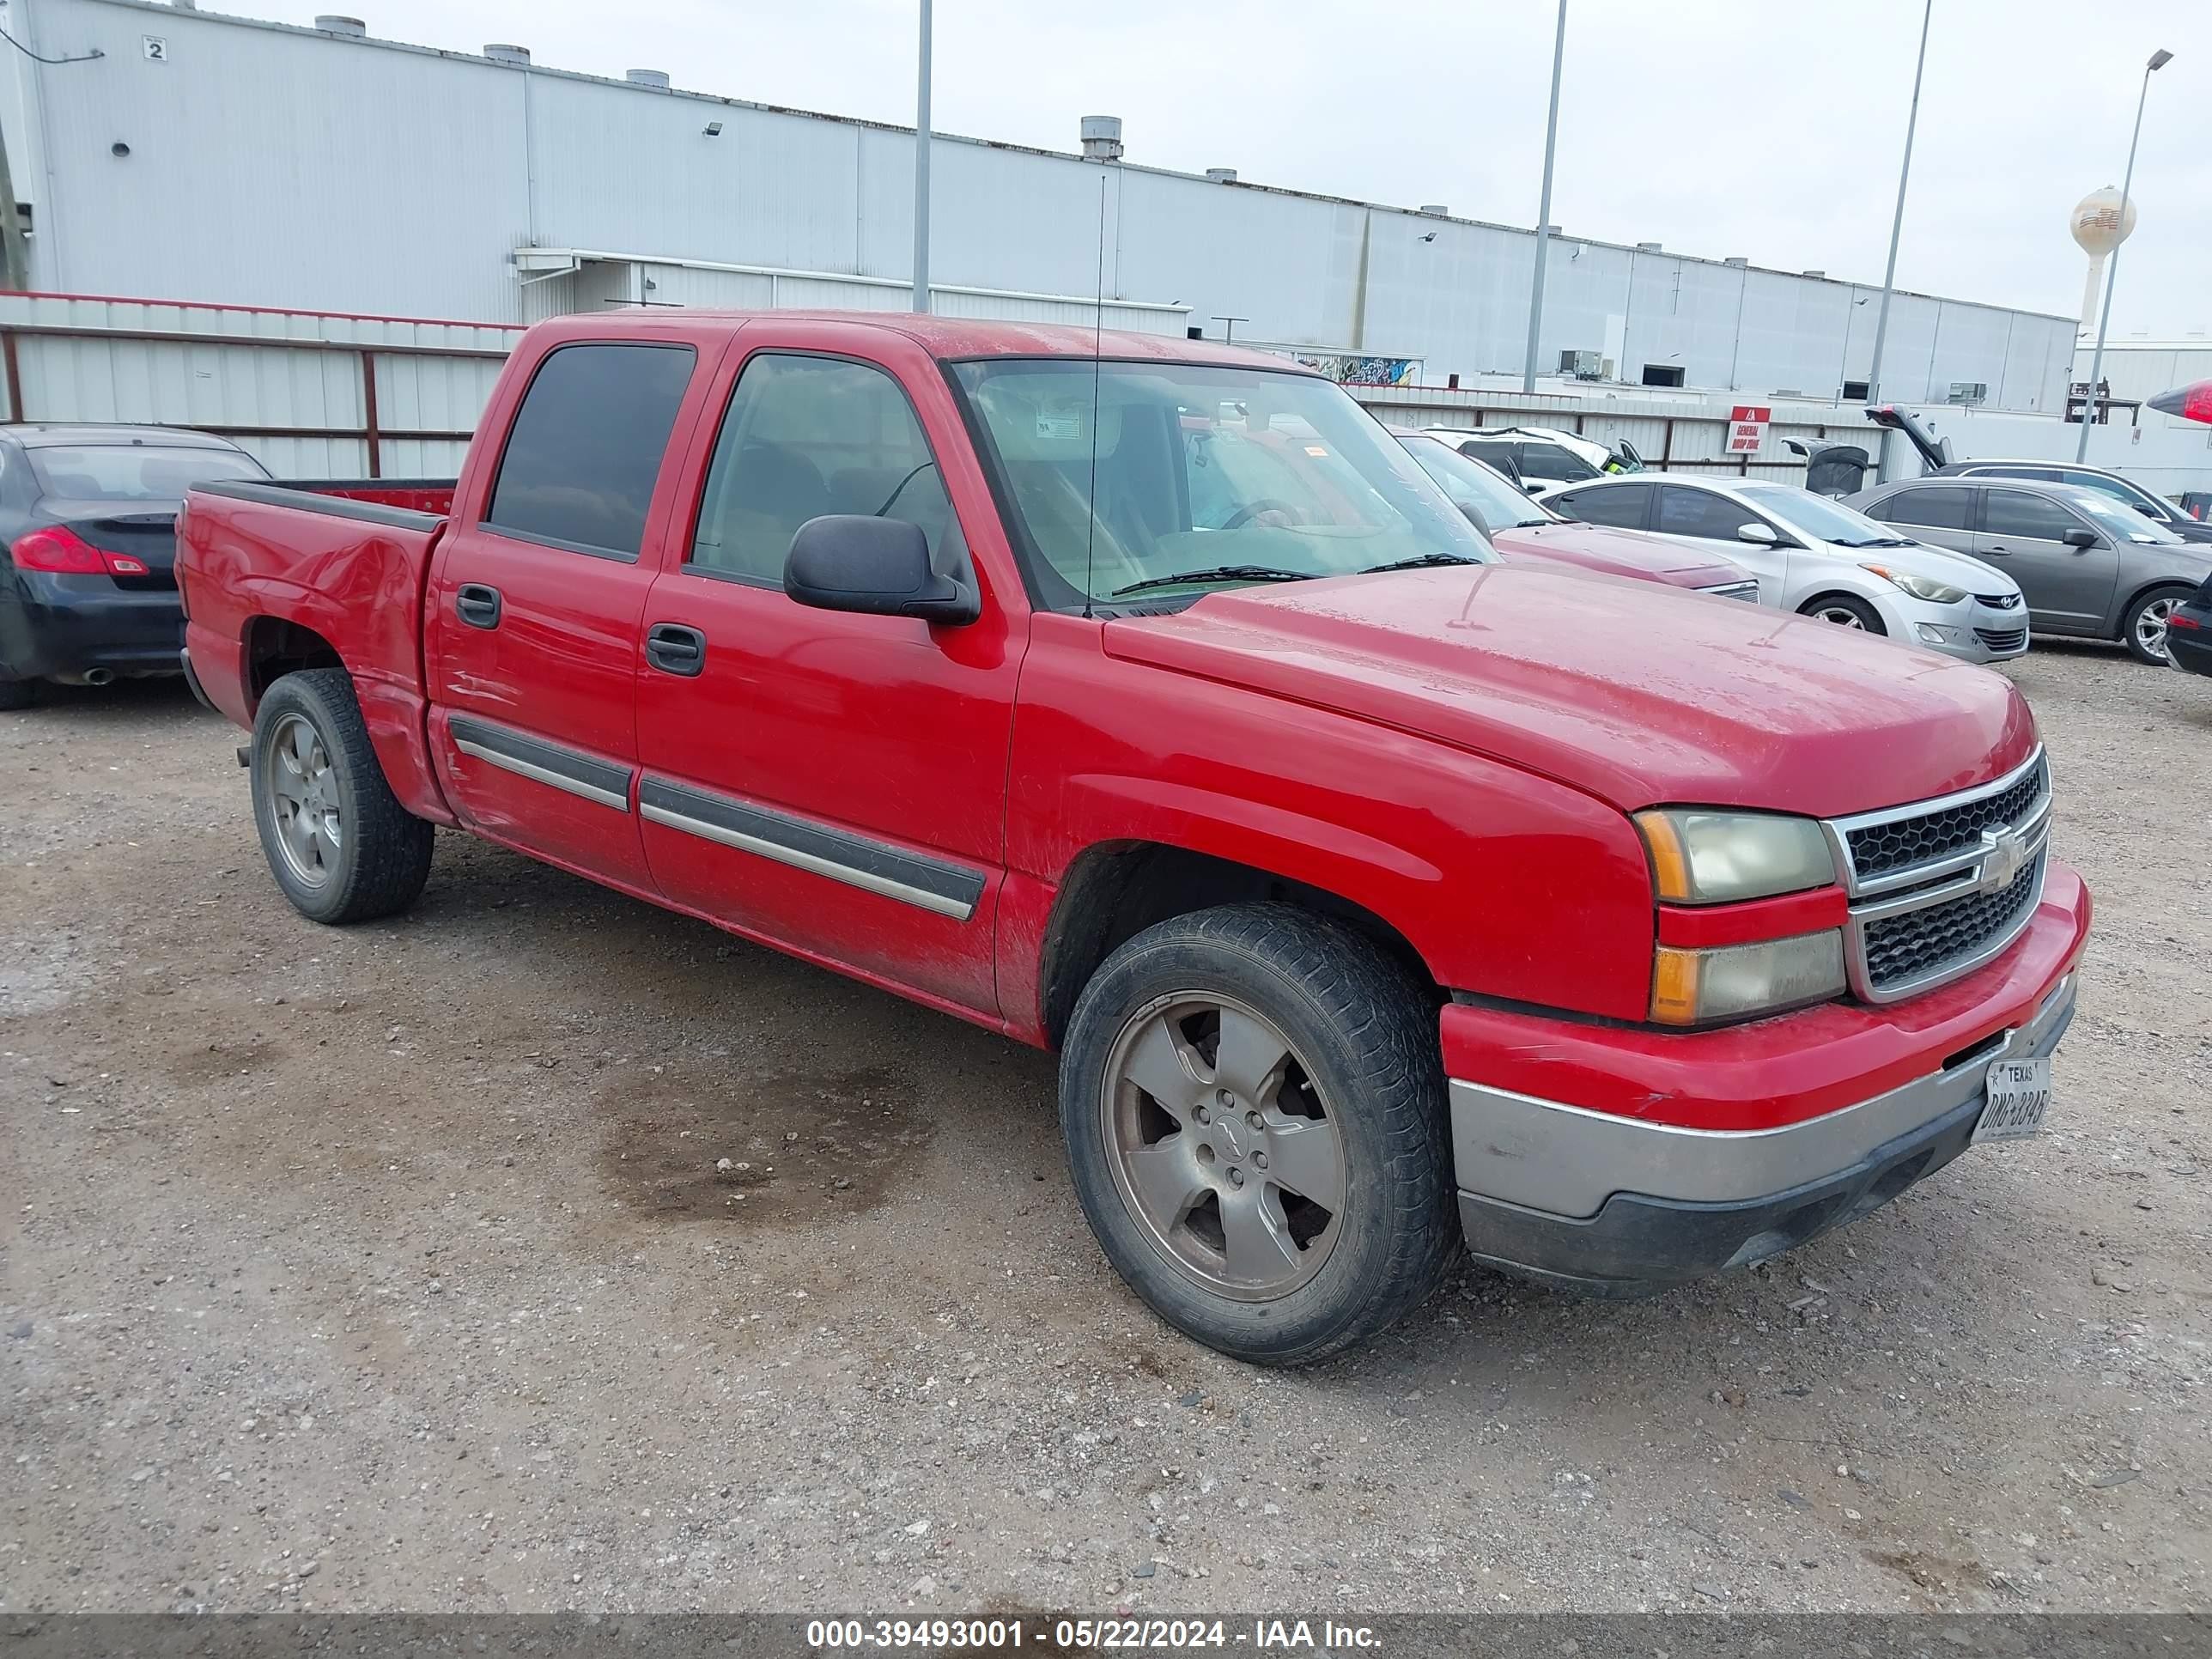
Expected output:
(2081, 539)
(1759, 535)
(877, 566)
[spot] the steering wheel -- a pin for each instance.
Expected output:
(1244, 515)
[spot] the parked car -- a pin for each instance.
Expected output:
(1520, 529)
(88, 518)
(1935, 458)
(1535, 459)
(2189, 632)
(1373, 891)
(2089, 566)
(1816, 557)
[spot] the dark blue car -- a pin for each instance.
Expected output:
(87, 548)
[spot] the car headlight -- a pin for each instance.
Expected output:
(1921, 587)
(1695, 988)
(1712, 858)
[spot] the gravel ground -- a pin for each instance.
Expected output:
(393, 1268)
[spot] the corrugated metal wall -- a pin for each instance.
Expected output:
(340, 168)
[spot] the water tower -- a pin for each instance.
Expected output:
(2101, 220)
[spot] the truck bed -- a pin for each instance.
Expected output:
(326, 573)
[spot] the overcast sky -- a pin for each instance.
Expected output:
(1715, 126)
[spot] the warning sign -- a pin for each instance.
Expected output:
(1748, 425)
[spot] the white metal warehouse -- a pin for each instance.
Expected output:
(225, 160)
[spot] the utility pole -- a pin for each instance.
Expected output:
(1544, 207)
(1896, 230)
(921, 171)
(2158, 60)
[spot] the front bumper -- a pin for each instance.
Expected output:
(1743, 1142)
(1970, 631)
(54, 627)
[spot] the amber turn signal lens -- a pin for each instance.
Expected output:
(1674, 987)
(1670, 867)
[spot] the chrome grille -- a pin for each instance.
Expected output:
(1918, 835)
(1999, 601)
(1939, 887)
(2002, 639)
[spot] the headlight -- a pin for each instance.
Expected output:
(1693, 988)
(1921, 587)
(1711, 858)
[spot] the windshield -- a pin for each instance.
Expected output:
(2116, 518)
(1490, 499)
(1821, 516)
(134, 472)
(1204, 477)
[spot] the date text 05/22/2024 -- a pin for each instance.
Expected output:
(1260, 1636)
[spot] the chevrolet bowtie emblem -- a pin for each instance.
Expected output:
(2004, 851)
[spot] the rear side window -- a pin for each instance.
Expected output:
(1933, 509)
(586, 446)
(1687, 512)
(808, 437)
(1622, 505)
(2032, 518)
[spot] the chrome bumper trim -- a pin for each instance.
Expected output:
(1567, 1160)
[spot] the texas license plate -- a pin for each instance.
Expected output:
(2018, 1093)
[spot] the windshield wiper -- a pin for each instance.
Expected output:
(1219, 572)
(1420, 561)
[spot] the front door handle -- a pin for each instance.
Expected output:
(675, 649)
(477, 606)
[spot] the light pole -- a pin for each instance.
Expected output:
(2158, 60)
(1896, 230)
(1544, 207)
(921, 173)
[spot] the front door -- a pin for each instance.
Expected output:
(829, 782)
(534, 604)
(2069, 589)
(1691, 514)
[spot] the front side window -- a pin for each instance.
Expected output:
(2120, 490)
(2024, 517)
(1548, 460)
(808, 437)
(1622, 505)
(2122, 523)
(134, 472)
(1144, 481)
(1684, 511)
(586, 446)
(1934, 509)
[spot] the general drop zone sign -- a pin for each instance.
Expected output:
(1747, 425)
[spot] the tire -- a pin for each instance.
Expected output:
(17, 694)
(2143, 630)
(1361, 1062)
(339, 844)
(1845, 610)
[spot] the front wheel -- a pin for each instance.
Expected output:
(337, 841)
(2143, 628)
(1253, 1103)
(1846, 610)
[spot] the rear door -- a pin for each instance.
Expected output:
(538, 597)
(2069, 590)
(830, 782)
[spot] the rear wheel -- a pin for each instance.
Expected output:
(338, 842)
(2142, 630)
(1254, 1105)
(1845, 610)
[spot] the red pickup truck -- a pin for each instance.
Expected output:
(1374, 893)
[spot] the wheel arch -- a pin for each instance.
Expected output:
(272, 646)
(1812, 601)
(2116, 624)
(1113, 891)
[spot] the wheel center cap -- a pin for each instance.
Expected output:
(1227, 1141)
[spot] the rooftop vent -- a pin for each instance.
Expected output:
(1647, 247)
(331, 23)
(1222, 175)
(1739, 260)
(1101, 137)
(1809, 271)
(518, 56)
(1435, 210)
(646, 78)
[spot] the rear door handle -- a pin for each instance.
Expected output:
(675, 649)
(477, 606)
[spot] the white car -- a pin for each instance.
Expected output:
(1535, 457)
(1816, 557)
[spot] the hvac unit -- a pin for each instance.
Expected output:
(1582, 365)
(1969, 392)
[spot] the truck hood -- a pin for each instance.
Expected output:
(1618, 553)
(1638, 696)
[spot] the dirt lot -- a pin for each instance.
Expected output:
(393, 1268)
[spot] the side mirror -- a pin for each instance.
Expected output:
(1759, 535)
(1533, 486)
(877, 566)
(2084, 539)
